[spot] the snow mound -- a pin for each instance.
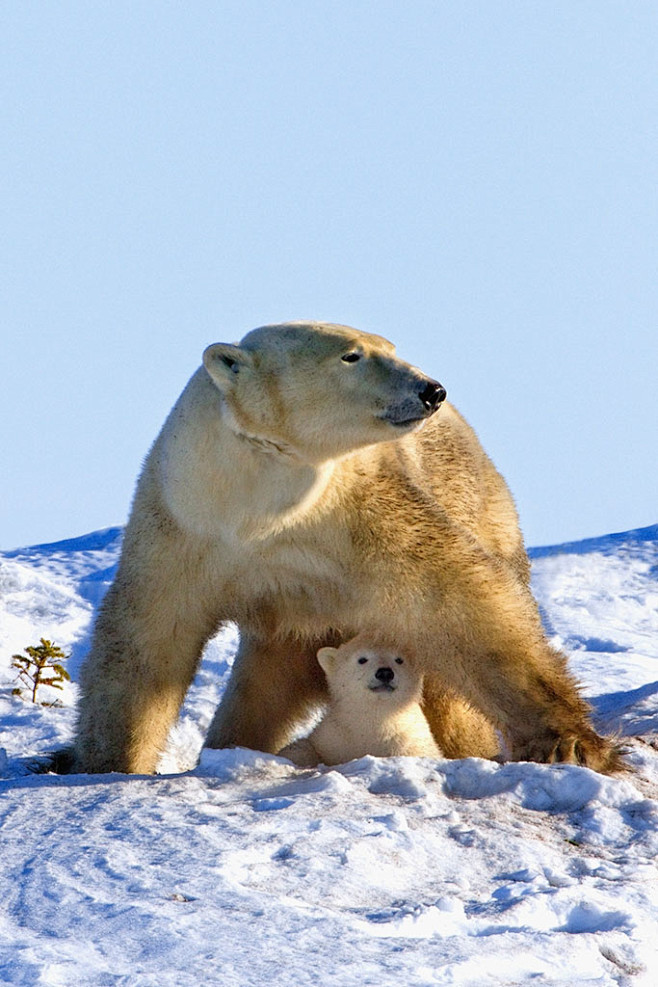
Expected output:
(236, 868)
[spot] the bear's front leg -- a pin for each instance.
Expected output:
(147, 642)
(459, 729)
(489, 645)
(275, 684)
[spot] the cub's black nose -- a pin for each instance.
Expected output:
(432, 394)
(385, 675)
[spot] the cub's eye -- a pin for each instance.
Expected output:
(399, 661)
(362, 661)
(351, 357)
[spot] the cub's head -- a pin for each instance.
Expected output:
(317, 390)
(370, 673)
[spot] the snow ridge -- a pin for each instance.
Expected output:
(236, 868)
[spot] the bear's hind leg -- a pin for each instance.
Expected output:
(275, 684)
(302, 753)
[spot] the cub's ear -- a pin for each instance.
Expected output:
(327, 658)
(224, 361)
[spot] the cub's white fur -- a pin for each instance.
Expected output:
(374, 708)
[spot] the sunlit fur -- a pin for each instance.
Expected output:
(366, 715)
(282, 495)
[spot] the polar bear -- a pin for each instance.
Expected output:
(310, 485)
(374, 708)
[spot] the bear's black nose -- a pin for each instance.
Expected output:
(432, 394)
(385, 675)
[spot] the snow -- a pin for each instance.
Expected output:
(235, 868)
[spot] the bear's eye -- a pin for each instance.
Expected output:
(399, 661)
(362, 661)
(351, 357)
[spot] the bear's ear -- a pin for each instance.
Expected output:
(223, 361)
(327, 658)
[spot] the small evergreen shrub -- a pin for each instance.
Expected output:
(42, 666)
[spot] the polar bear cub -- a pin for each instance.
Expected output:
(374, 708)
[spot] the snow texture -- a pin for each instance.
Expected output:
(234, 868)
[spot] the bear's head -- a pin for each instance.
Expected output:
(362, 671)
(317, 391)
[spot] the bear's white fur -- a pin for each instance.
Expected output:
(310, 485)
(374, 708)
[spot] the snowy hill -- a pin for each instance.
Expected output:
(246, 871)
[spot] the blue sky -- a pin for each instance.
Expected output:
(477, 181)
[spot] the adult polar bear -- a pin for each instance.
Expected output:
(304, 487)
